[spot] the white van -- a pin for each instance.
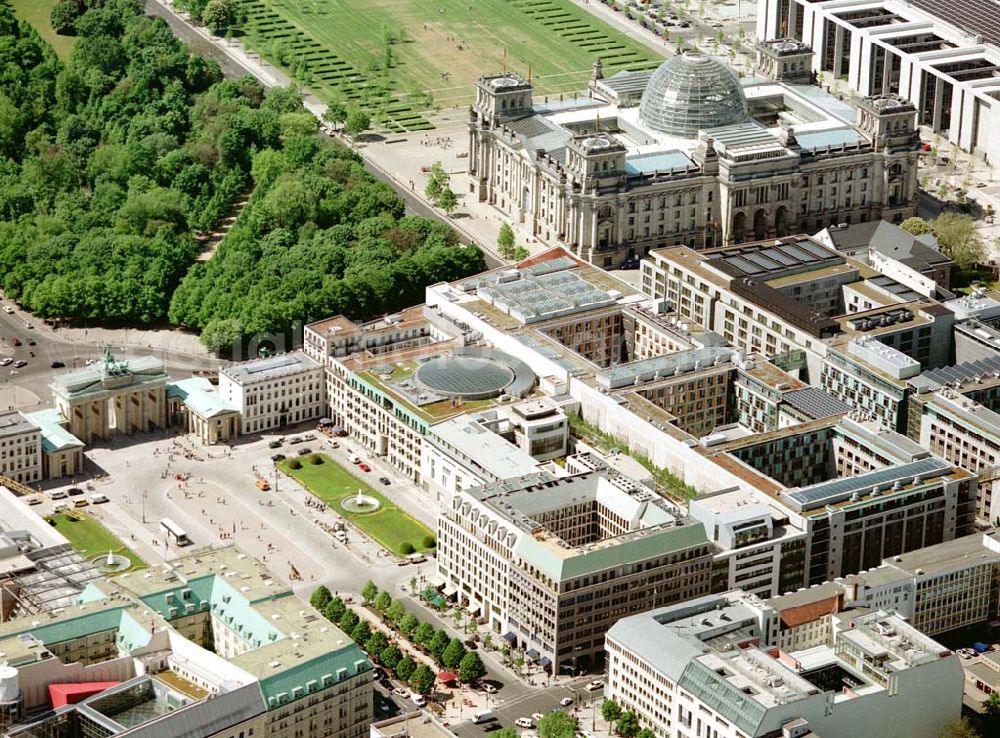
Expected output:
(59, 494)
(482, 716)
(354, 459)
(98, 499)
(332, 443)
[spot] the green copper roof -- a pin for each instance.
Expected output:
(78, 627)
(295, 681)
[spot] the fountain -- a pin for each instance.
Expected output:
(360, 503)
(112, 563)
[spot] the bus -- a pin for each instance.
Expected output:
(175, 532)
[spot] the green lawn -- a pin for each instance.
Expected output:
(36, 12)
(338, 48)
(330, 482)
(90, 538)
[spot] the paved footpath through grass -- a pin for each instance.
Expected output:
(90, 538)
(330, 482)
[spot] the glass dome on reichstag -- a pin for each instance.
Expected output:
(691, 92)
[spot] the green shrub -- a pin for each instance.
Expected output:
(428, 542)
(315, 459)
(294, 464)
(407, 548)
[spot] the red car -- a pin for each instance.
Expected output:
(364, 467)
(15, 341)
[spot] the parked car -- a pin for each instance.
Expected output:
(304, 451)
(274, 444)
(384, 480)
(74, 491)
(595, 685)
(400, 692)
(35, 500)
(295, 439)
(536, 716)
(489, 688)
(8, 309)
(278, 457)
(364, 467)
(418, 699)
(20, 363)
(32, 342)
(354, 459)
(566, 701)
(5, 361)
(57, 365)
(524, 722)
(629, 264)
(490, 727)
(98, 499)
(29, 325)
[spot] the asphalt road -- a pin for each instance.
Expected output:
(539, 700)
(18, 386)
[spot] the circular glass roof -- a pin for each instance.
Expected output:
(464, 377)
(692, 92)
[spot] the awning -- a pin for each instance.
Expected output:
(436, 580)
(325, 422)
(509, 637)
(531, 654)
(449, 589)
(545, 662)
(446, 676)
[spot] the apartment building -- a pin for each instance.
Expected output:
(214, 643)
(713, 666)
(549, 564)
(273, 392)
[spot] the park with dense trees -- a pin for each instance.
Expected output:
(113, 163)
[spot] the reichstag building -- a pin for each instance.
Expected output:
(690, 154)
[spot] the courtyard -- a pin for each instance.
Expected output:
(334, 485)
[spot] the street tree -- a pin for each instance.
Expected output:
(320, 597)
(361, 632)
(390, 657)
(447, 200)
(438, 644)
(334, 610)
(557, 724)
(408, 624)
(349, 621)
(335, 114)
(396, 612)
(405, 668)
(357, 122)
(219, 15)
(628, 725)
(611, 711)
(453, 654)
(369, 592)
(422, 680)
(376, 642)
(520, 253)
(383, 601)
(423, 634)
(646, 733)
(471, 669)
(505, 241)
